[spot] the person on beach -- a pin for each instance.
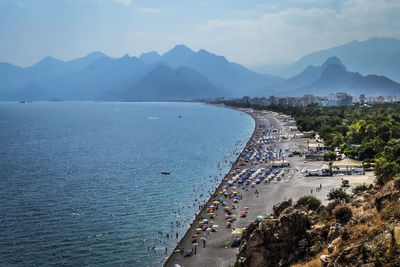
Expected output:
(204, 243)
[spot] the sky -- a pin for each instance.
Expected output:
(250, 32)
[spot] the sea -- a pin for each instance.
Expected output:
(81, 182)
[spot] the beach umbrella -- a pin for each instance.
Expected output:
(194, 236)
(221, 199)
(188, 250)
(211, 213)
(212, 206)
(260, 217)
(216, 202)
(195, 244)
(177, 265)
(246, 208)
(215, 226)
(198, 229)
(208, 229)
(203, 238)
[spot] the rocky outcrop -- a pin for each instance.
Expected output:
(278, 241)
(278, 208)
(367, 233)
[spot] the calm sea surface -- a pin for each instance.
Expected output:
(80, 183)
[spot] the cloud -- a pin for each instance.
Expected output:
(21, 5)
(124, 2)
(149, 10)
(286, 35)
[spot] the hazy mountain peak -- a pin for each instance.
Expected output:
(150, 57)
(179, 50)
(96, 54)
(178, 56)
(332, 60)
(333, 68)
(203, 51)
(48, 60)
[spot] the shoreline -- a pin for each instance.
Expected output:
(218, 188)
(271, 137)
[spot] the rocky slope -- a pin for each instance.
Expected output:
(363, 232)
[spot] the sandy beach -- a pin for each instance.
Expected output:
(257, 199)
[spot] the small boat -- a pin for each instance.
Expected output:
(165, 173)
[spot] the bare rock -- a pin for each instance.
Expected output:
(326, 261)
(280, 207)
(334, 232)
(396, 235)
(276, 242)
(333, 246)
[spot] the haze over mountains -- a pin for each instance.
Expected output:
(183, 74)
(379, 56)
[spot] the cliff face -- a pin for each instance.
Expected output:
(363, 232)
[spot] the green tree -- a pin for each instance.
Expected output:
(385, 170)
(330, 156)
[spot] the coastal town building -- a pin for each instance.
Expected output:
(340, 99)
(334, 99)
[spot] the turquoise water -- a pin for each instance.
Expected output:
(80, 183)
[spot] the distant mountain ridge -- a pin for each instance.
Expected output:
(97, 75)
(228, 75)
(47, 68)
(380, 56)
(332, 76)
(165, 83)
(184, 74)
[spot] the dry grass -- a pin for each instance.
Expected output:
(391, 211)
(365, 224)
(316, 262)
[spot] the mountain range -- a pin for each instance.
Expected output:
(333, 76)
(379, 56)
(99, 77)
(184, 74)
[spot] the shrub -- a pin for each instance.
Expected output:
(330, 156)
(331, 207)
(361, 188)
(343, 214)
(339, 195)
(309, 202)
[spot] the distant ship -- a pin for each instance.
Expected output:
(165, 173)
